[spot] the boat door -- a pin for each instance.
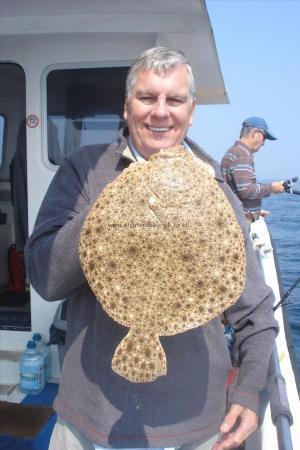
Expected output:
(76, 105)
(14, 292)
(82, 106)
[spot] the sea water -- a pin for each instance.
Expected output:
(284, 226)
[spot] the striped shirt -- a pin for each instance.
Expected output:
(238, 171)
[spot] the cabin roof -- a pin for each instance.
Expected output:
(175, 23)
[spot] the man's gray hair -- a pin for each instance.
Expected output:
(245, 131)
(160, 60)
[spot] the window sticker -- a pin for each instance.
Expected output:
(32, 121)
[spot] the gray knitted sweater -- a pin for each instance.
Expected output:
(187, 404)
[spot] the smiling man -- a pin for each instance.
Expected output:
(159, 107)
(189, 406)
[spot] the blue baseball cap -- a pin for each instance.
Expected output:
(258, 122)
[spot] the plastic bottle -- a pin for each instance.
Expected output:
(32, 375)
(44, 352)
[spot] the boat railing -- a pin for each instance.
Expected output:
(279, 404)
(282, 418)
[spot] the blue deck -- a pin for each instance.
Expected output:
(41, 441)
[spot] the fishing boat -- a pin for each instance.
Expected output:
(63, 66)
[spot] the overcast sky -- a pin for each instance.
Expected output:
(258, 43)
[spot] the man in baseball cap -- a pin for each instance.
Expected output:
(238, 167)
(261, 125)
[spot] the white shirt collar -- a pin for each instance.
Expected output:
(139, 157)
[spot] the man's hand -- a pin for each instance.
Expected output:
(248, 422)
(277, 187)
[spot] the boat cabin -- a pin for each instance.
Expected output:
(63, 66)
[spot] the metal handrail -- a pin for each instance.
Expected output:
(280, 410)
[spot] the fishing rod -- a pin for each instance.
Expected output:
(286, 295)
(288, 186)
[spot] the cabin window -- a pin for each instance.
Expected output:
(84, 106)
(2, 123)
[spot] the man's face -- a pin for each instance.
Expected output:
(159, 110)
(259, 138)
